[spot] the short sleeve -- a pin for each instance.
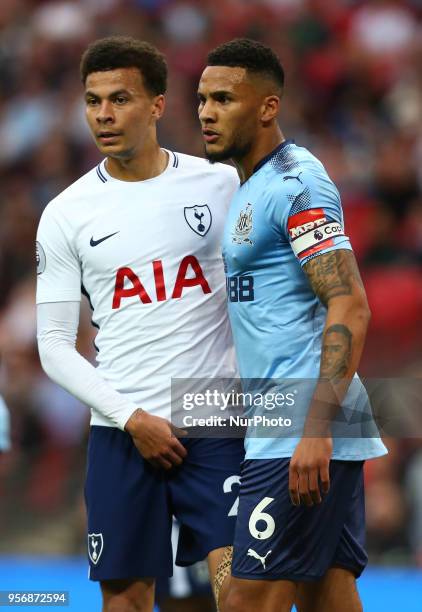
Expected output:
(58, 268)
(314, 224)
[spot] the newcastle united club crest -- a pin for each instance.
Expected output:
(243, 227)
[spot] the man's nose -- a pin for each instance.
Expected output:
(105, 112)
(206, 113)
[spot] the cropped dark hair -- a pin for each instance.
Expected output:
(250, 54)
(126, 52)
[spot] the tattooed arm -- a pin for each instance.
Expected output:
(335, 279)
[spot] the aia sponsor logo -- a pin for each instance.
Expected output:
(128, 283)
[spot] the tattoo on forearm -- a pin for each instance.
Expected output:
(332, 274)
(336, 352)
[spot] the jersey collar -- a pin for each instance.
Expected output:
(104, 176)
(273, 152)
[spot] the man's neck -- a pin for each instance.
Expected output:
(261, 148)
(150, 163)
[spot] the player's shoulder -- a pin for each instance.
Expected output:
(294, 170)
(203, 167)
(76, 193)
(79, 190)
(291, 163)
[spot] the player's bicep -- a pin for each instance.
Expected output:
(334, 274)
(58, 268)
(314, 220)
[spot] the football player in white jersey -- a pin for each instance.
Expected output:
(139, 235)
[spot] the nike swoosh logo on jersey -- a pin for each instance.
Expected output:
(94, 243)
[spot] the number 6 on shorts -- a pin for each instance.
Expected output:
(259, 515)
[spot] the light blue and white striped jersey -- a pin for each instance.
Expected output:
(286, 213)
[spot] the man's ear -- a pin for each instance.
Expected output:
(270, 109)
(158, 106)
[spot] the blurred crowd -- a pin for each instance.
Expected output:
(353, 96)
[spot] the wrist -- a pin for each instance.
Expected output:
(317, 428)
(133, 420)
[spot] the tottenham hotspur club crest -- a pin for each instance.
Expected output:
(198, 218)
(243, 227)
(95, 546)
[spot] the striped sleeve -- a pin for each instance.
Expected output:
(315, 220)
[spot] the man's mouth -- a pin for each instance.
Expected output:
(107, 136)
(210, 136)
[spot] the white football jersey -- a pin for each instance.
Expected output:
(147, 254)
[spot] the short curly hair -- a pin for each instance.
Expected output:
(250, 54)
(126, 52)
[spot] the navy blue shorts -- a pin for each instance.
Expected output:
(275, 540)
(130, 504)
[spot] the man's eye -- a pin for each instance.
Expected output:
(121, 100)
(91, 101)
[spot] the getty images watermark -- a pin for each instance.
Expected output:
(228, 402)
(271, 408)
(229, 407)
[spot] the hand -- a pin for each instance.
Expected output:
(308, 467)
(155, 438)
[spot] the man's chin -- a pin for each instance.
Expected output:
(236, 151)
(115, 151)
(214, 156)
(107, 149)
